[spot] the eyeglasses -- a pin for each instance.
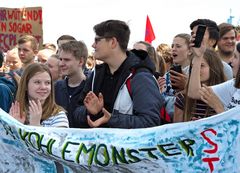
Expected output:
(97, 39)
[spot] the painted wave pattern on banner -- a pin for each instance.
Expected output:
(207, 145)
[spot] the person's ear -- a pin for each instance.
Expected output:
(81, 61)
(114, 42)
(211, 42)
(190, 52)
(35, 52)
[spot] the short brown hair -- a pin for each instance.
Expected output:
(226, 27)
(77, 48)
(26, 38)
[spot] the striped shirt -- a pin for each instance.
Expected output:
(200, 109)
(58, 120)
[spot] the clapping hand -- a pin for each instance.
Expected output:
(15, 112)
(35, 112)
(104, 119)
(93, 103)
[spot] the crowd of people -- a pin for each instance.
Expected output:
(118, 86)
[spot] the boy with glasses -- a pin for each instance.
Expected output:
(106, 101)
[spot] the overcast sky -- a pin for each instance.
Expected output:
(168, 17)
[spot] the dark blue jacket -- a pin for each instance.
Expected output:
(63, 99)
(7, 93)
(146, 98)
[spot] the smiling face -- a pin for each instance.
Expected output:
(39, 87)
(226, 43)
(68, 63)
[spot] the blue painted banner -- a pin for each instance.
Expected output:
(207, 145)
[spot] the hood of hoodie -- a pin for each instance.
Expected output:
(9, 83)
(140, 59)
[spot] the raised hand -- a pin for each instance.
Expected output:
(93, 103)
(104, 119)
(35, 112)
(198, 52)
(15, 112)
(210, 98)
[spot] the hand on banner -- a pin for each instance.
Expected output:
(15, 112)
(195, 118)
(103, 120)
(35, 112)
(93, 103)
(210, 98)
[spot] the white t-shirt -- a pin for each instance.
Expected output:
(228, 94)
(58, 120)
(227, 70)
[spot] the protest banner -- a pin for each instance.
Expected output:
(207, 145)
(15, 22)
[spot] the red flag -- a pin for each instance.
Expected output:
(149, 33)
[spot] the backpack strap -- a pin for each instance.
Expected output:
(165, 117)
(128, 82)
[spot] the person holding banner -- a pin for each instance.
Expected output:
(228, 93)
(106, 99)
(35, 104)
